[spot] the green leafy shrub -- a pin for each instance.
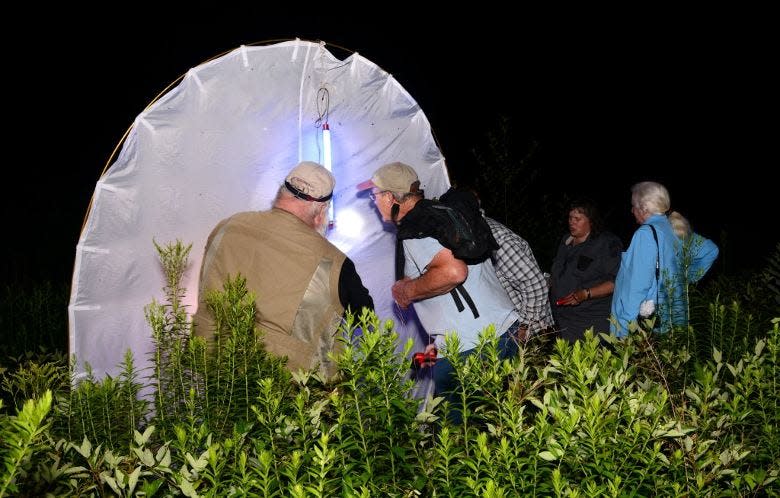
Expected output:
(588, 420)
(20, 436)
(32, 376)
(629, 417)
(107, 410)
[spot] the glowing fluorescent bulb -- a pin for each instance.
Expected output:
(328, 165)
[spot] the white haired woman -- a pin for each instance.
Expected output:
(649, 268)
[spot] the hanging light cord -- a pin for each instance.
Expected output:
(323, 106)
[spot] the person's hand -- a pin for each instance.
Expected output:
(430, 355)
(522, 334)
(401, 293)
(573, 299)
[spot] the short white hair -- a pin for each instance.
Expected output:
(650, 197)
(310, 209)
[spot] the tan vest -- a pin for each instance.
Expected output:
(294, 272)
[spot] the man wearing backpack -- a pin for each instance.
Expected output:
(431, 272)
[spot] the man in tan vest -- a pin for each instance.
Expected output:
(303, 283)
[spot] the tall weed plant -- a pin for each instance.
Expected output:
(210, 384)
(729, 313)
(108, 410)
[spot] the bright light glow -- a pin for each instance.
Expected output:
(326, 161)
(351, 223)
(349, 230)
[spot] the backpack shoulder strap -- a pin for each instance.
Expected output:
(657, 253)
(657, 261)
(417, 226)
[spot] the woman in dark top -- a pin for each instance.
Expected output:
(583, 274)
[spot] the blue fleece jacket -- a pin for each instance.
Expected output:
(636, 279)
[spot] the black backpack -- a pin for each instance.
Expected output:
(457, 223)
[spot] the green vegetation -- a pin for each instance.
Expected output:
(646, 416)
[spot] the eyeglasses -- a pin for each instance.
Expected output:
(372, 195)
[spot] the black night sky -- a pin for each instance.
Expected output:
(611, 98)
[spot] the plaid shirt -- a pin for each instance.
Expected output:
(520, 275)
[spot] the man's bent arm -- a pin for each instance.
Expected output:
(442, 274)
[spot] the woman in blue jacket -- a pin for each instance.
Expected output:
(648, 275)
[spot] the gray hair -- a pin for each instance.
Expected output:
(650, 197)
(312, 208)
(400, 197)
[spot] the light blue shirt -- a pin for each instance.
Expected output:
(636, 279)
(439, 315)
